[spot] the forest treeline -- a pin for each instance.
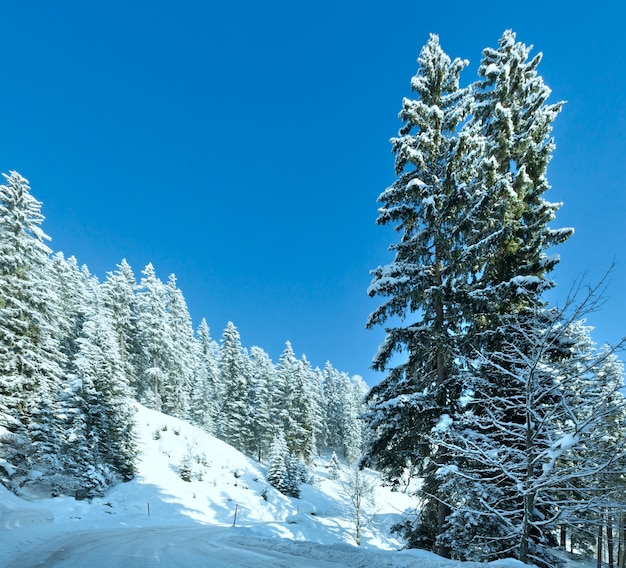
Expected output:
(75, 352)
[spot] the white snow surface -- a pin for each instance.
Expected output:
(160, 520)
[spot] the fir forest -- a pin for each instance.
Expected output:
(496, 406)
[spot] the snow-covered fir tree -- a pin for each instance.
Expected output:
(343, 406)
(182, 359)
(277, 475)
(100, 446)
(205, 394)
(426, 284)
(234, 423)
(307, 411)
(334, 466)
(289, 384)
(31, 358)
(466, 307)
(260, 402)
(514, 120)
(165, 360)
(119, 296)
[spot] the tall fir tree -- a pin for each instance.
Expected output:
(261, 397)
(511, 115)
(430, 205)
(101, 445)
(515, 120)
(343, 407)
(234, 423)
(182, 359)
(205, 391)
(289, 383)
(31, 358)
(153, 335)
(119, 295)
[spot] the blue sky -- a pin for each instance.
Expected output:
(242, 146)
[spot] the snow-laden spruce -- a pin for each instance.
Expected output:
(474, 398)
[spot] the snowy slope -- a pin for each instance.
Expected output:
(158, 519)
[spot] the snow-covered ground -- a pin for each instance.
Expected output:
(160, 520)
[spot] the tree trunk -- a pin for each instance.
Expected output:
(621, 555)
(599, 544)
(524, 546)
(609, 541)
(443, 511)
(563, 537)
(529, 497)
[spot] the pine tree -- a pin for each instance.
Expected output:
(101, 446)
(153, 336)
(289, 383)
(515, 120)
(119, 296)
(205, 393)
(334, 466)
(511, 116)
(307, 411)
(73, 297)
(31, 358)
(343, 406)
(182, 359)
(431, 204)
(234, 421)
(277, 475)
(261, 402)
(354, 436)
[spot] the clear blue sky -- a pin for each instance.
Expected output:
(242, 146)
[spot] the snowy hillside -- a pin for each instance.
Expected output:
(160, 519)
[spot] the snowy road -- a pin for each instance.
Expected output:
(190, 547)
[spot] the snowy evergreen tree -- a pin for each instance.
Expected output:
(73, 297)
(31, 358)
(277, 475)
(334, 466)
(285, 472)
(153, 336)
(182, 359)
(524, 461)
(427, 283)
(289, 384)
(205, 391)
(354, 436)
(119, 296)
(318, 411)
(514, 122)
(100, 446)
(261, 402)
(307, 411)
(296, 475)
(343, 406)
(234, 422)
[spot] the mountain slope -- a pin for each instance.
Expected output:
(161, 519)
